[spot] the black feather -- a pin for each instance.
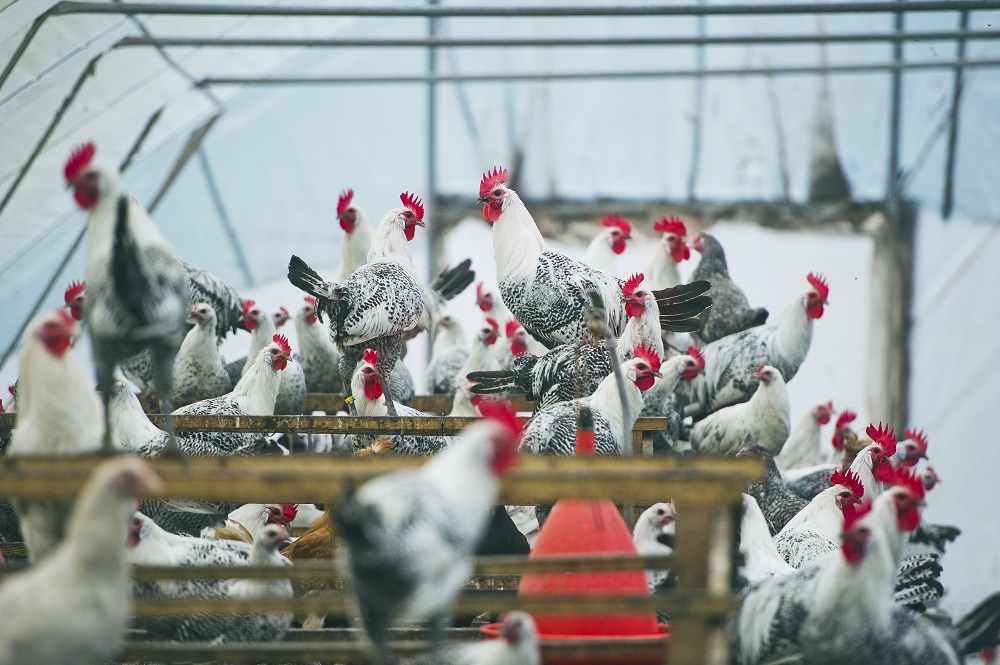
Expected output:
(452, 281)
(980, 628)
(681, 292)
(127, 275)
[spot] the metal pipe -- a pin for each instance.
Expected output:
(197, 136)
(23, 45)
(472, 42)
(477, 11)
(576, 76)
(147, 128)
(948, 200)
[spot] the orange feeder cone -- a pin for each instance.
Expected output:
(577, 527)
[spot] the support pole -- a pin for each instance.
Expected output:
(948, 200)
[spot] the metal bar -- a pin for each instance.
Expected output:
(220, 210)
(147, 128)
(197, 136)
(23, 45)
(468, 42)
(948, 199)
(477, 11)
(874, 68)
(50, 129)
(699, 111)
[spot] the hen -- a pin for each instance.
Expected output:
(447, 355)
(661, 271)
(602, 252)
(317, 355)
(291, 397)
(517, 644)
(354, 248)
(803, 447)
(199, 369)
(653, 535)
(764, 420)
(731, 313)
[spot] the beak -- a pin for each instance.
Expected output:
(657, 374)
(625, 299)
(627, 237)
(341, 216)
(481, 199)
(420, 223)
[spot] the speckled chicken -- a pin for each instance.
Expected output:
(731, 312)
(291, 398)
(481, 359)
(814, 531)
(764, 420)
(199, 368)
(448, 354)
(317, 355)
(778, 503)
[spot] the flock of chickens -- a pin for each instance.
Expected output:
(838, 566)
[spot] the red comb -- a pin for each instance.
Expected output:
(670, 225)
(846, 417)
(649, 355)
(854, 512)
(849, 480)
(10, 389)
(502, 412)
(479, 290)
(289, 511)
(618, 222)
(284, 311)
(78, 161)
(512, 327)
(74, 290)
(493, 324)
(698, 356)
(371, 357)
(311, 300)
(819, 284)
(906, 479)
(344, 200)
(885, 437)
(491, 180)
(413, 202)
(920, 438)
(248, 304)
(633, 282)
(282, 341)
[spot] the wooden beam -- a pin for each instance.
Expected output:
(438, 404)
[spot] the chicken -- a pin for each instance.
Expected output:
(448, 354)
(291, 398)
(813, 532)
(777, 503)
(355, 246)
(653, 535)
(481, 359)
(661, 271)
(199, 369)
(662, 399)
(250, 519)
(74, 299)
(547, 291)
(58, 413)
(841, 432)
(731, 313)
(369, 401)
(149, 545)
(781, 343)
(516, 346)
(854, 617)
(761, 559)
(803, 446)
(873, 464)
(490, 305)
(449, 283)
(408, 537)
(912, 448)
(318, 542)
(317, 355)
(604, 249)
(379, 302)
(74, 607)
(136, 286)
(517, 644)
(552, 430)
(764, 420)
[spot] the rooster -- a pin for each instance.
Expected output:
(249, 520)
(604, 249)
(653, 535)
(841, 434)
(547, 291)
(663, 401)
(517, 344)
(732, 312)
(317, 355)
(74, 299)
(74, 607)
(369, 401)
(409, 536)
(448, 354)
(763, 420)
(379, 302)
(355, 246)
(813, 532)
(489, 304)
(517, 644)
(661, 271)
(291, 399)
(912, 448)
(782, 343)
(58, 413)
(552, 430)
(481, 359)
(136, 286)
(873, 464)
(803, 447)
(199, 369)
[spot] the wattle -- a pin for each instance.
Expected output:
(85, 198)
(645, 382)
(347, 225)
(492, 212)
(373, 390)
(518, 349)
(409, 231)
(680, 253)
(909, 520)
(250, 324)
(279, 364)
(689, 374)
(634, 309)
(618, 246)
(815, 311)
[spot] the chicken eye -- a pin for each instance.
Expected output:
(661, 512)
(350, 210)
(409, 215)
(496, 192)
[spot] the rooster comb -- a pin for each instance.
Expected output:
(649, 355)
(670, 225)
(502, 412)
(344, 200)
(79, 160)
(413, 202)
(910, 481)
(854, 512)
(282, 342)
(493, 324)
(512, 327)
(883, 436)
(480, 291)
(289, 511)
(618, 222)
(698, 356)
(311, 300)
(918, 437)
(845, 418)
(849, 480)
(490, 180)
(819, 284)
(371, 357)
(248, 304)
(73, 291)
(283, 310)
(631, 284)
